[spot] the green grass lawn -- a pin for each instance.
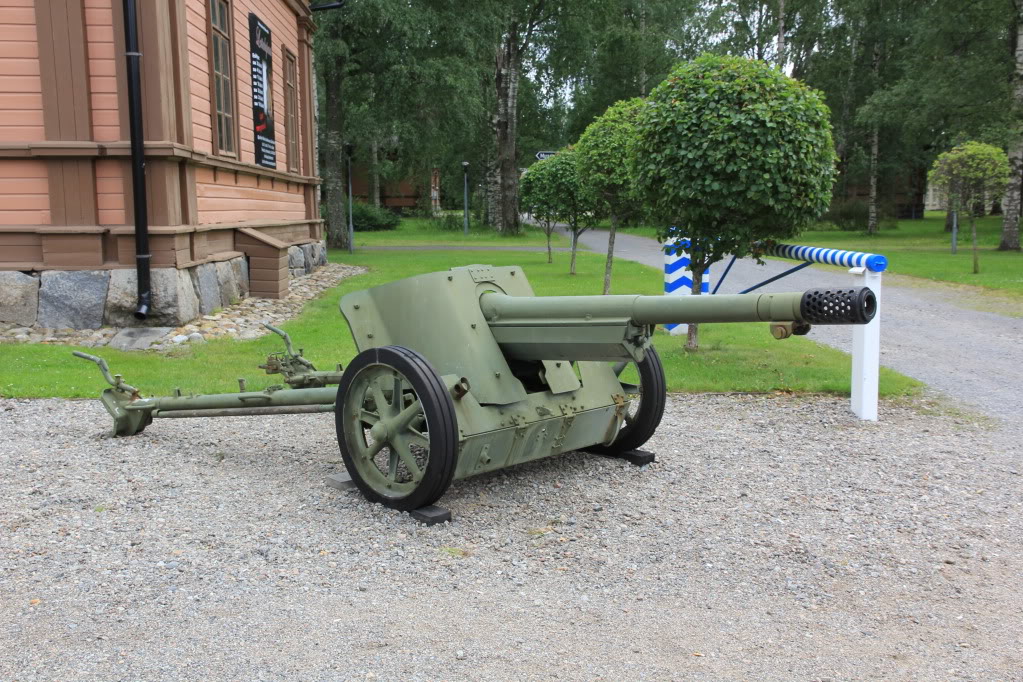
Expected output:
(921, 248)
(733, 357)
(431, 232)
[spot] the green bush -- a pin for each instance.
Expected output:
(849, 215)
(369, 218)
(450, 222)
(852, 215)
(455, 222)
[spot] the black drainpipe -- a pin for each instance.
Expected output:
(138, 161)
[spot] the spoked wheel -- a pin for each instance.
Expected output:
(644, 410)
(396, 428)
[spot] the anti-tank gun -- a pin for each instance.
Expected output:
(466, 371)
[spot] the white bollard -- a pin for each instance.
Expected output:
(866, 352)
(678, 279)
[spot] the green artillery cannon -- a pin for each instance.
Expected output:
(466, 371)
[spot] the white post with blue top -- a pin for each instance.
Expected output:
(678, 278)
(866, 350)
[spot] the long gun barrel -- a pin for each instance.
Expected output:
(816, 306)
(619, 327)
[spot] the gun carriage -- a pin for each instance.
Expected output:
(466, 371)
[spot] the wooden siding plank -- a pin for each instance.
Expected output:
(275, 263)
(20, 239)
(19, 253)
(268, 275)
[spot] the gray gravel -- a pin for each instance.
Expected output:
(776, 539)
(959, 340)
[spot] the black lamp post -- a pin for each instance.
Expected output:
(465, 172)
(349, 150)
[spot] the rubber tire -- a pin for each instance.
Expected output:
(651, 408)
(440, 416)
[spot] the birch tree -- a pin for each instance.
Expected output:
(1014, 190)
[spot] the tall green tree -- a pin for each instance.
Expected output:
(946, 80)
(400, 83)
(539, 36)
(635, 44)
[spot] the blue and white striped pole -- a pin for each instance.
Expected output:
(678, 278)
(849, 259)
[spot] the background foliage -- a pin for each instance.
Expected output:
(904, 79)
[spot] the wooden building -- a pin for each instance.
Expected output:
(228, 116)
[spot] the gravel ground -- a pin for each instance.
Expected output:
(777, 538)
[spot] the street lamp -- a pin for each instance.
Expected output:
(349, 150)
(465, 172)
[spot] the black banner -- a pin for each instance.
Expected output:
(261, 49)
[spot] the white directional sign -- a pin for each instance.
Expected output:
(540, 156)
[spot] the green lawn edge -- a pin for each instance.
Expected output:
(431, 232)
(732, 358)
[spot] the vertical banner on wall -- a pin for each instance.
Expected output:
(261, 51)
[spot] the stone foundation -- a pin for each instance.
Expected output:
(303, 259)
(89, 299)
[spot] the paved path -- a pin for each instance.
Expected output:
(941, 334)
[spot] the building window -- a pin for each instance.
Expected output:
(291, 108)
(221, 70)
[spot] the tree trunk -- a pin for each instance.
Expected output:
(492, 188)
(842, 131)
(949, 218)
(693, 332)
(642, 62)
(973, 236)
(374, 177)
(333, 168)
(781, 35)
(505, 131)
(872, 205)
(550, 258)
(610, 254)
(1011, 202)
(575, 242)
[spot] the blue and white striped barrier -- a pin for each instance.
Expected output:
(678, 278)
(849, 259)
(867, 267)
(866, 346)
